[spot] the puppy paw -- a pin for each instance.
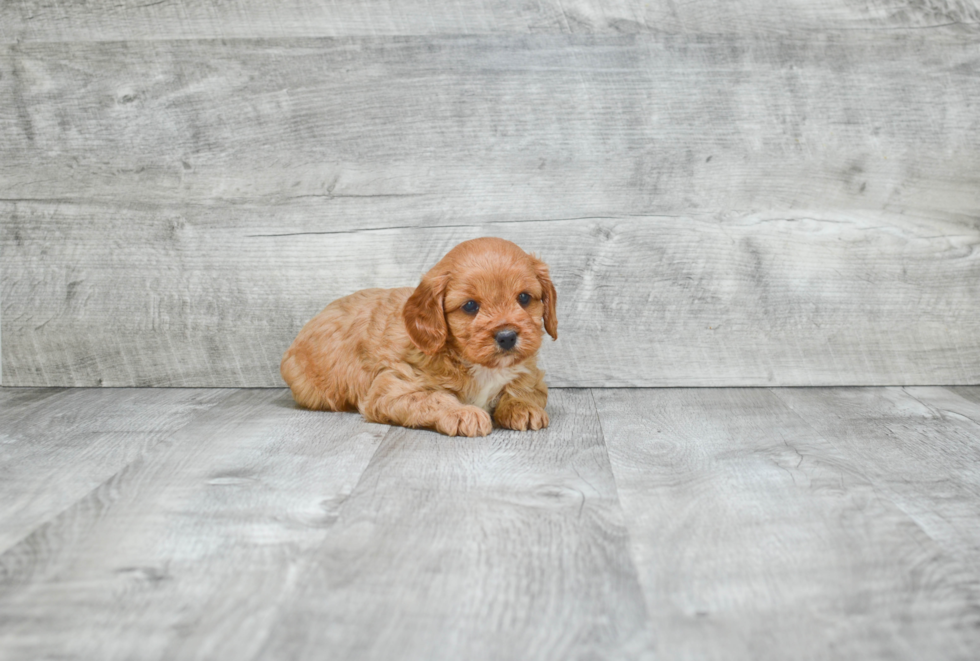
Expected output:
(521, 416)
(465, 421)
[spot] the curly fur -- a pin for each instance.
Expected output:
(414, 357)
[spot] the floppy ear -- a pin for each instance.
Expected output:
(425, 318)
(549, 297)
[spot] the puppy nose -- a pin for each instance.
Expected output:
(506, 339)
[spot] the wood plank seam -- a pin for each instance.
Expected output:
(149, 451)
(629, 534)
(939, 412)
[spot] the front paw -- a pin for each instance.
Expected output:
(521, 416)
(465, 421)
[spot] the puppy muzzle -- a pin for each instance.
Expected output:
(506, 339)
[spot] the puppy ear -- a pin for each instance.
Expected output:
(425, 318)
(549, 297)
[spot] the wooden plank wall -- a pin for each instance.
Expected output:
(754, 193)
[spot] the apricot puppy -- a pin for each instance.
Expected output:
(445, 355)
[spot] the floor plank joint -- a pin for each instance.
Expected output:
(744, 523)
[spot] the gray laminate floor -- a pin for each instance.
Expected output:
(674, 524)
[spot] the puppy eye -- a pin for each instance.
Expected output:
(523, 298)
(470, 307)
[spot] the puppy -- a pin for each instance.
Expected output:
(459, 347)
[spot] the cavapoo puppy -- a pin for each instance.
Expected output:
(444, 355)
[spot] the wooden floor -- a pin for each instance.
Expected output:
(825, 523)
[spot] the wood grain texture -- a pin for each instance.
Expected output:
(762, 524)
(508, 547)
(792, 210)
(56, 446)
(380, 132)
(919, 446)
(40, 20)
(652, 301)
(191, 549)
(759, 536)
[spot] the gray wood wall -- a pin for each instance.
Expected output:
(729, 193)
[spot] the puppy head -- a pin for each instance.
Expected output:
(487, 300)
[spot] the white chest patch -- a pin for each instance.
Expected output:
(488, 382)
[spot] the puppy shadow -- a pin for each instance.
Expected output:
(285, 401)
(498, 435)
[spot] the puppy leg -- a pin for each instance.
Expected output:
(314, 388)
(394, 400)
(522, 403)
